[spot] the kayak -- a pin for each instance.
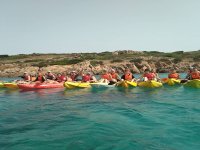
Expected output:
(126, 84)
(1, 85)
(100, 84)
(193, 83)
(40, 86)
(150, 84)
(171, 81)
(72, 85)
(11, 85)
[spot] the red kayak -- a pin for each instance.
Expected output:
(40, 86)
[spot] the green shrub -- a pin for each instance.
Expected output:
(66, 62)
(138, 60)
(116, 60)
(33, 60)
(177, 60)
(95, 63)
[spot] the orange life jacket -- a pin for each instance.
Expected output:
(150, 76)
(106, 76)
(173, 75)
(128, 76)
(195, 75)
(86, 78)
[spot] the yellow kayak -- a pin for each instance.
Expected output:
(11, 85)
(193, 83)
(171, 81)
(150, 84)
(72, 85)
(126, 84)
(1, 85)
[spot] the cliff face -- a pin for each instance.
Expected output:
(14, 70)
(137, 61)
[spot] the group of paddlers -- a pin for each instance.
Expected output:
(110, 76)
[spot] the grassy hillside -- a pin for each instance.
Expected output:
(43, 60)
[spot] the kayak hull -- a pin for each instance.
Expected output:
(11, 85)
(40, 86)
(193, 83)
(150, 84)
(172, 82)
(126, 84)
(101, 85)
(1, 85)
(73, 85)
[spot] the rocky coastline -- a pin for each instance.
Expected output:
(136, 61)
(14, 70)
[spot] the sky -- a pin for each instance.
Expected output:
(66, 26)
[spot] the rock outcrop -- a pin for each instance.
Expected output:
(14, 69)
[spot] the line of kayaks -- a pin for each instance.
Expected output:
(124, 84)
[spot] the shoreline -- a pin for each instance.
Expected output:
(136, 61)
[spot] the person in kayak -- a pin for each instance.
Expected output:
(114, 75)
(195, 74)
(173, 74)
(73, 75)
(40, 77)
(188, 76)
(157, 78)
(61, 77)
(128, 75)
(147, 75)
(88, 77)
(26, 77)
(50, 76)
(106, 76)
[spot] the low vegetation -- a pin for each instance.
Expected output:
(95, 59)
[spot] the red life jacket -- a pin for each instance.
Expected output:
(195, 75)
(173, 75)
(26, 77)
(106, 76)
(149, 76)
(40, 78)
(114, 75)
(61, 79)
(128, 76)
(86, 78)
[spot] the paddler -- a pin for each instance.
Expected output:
(128, 75)
(50, 76)
(26, 77)
(188, 76)
(114, 75)
(148, 75)
(173, 74)
(88, 77)
(195, 74)
(106, 76)
(40, 77)
(61, 77)
(74, 75)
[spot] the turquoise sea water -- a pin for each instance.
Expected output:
(166, 118)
